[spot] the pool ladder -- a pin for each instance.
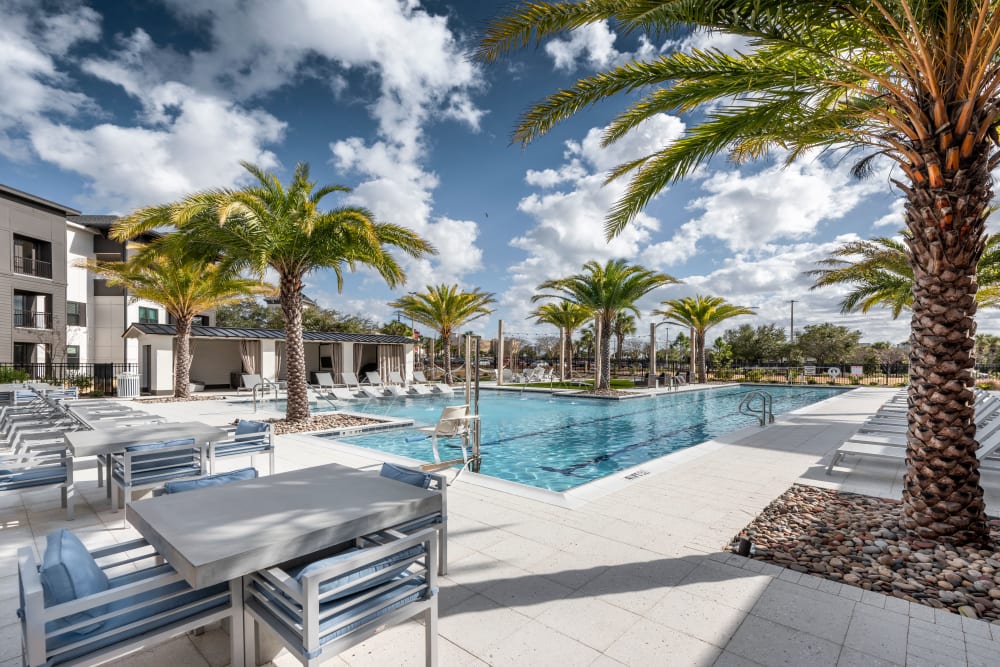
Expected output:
(759, 404)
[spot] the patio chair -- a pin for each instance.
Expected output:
(396, 386)
(327, 606)
(150, 465)
(249, 381)
(453, 423)
(324, 382)
(343, 394)
(419, 388)
(77, 608)
(375, 380)
(438, 387)
(424, 480)
(249, 438)
(17, 474)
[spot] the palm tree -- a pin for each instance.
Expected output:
(605, 291)
(160, 272)
(911, 83)
(445, 309)
(568, 317)
(701, 313)
(624, 325)
(267, 225)
(880, 274)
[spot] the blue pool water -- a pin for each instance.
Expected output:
(561, 443)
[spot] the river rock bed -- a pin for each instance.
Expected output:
(324, 422)
(857, 540)
(194, 397)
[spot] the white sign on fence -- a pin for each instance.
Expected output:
(809, 370)
(857, 371)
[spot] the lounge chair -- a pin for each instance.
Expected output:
(81, 607)
(419, 388)
(375, 381)
(453, 423)
(437, 387)
(324, 383)
(343, 394)
(351, 381)
(396, 385)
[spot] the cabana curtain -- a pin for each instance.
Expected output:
(337, 359)
(279, 360)
(358, 348)
(249, 352)
(390, 358)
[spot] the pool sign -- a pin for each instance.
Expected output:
(833, 372)
(857, 371)
(809, 370)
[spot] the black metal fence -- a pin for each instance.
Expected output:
(101, 377)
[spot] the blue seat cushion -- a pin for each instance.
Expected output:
(28, 477)
(157, 462)
(407, 475)
(69, 573)
(245, 426)
(328, 627)
(210, 480)
(242, 446)
(125, 612)
(389, 567)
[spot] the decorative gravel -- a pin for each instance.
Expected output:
(171, 399)
(323, 422)
(857, 540)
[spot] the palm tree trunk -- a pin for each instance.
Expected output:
(446, 346)
(942, 497)
(182, 357)
(568, 344)
(700, 356)
(605, 379)
(297, 405)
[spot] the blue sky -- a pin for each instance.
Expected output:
(113, 105)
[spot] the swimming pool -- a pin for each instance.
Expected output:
(561, 443)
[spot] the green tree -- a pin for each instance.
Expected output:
(827, 343)
(722, 353)
(700, 313)
(605, 291)
(624, 325)
(445, 309)
(248, 314)
(186, 287)
(756, 345)
(564, 315)
(987, 349)
(679, 349)
(396, 328)
(268, 225)
(879, 274)
(910, 82)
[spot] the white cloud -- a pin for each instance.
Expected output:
(894, 218)
(593, 45)
(197, 142)
(746, 211)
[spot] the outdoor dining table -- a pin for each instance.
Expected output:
(112, 436)
(222, 533)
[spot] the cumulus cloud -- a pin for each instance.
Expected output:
(31, 80)
(747, 210)
(593, 46)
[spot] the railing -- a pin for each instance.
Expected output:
(759, 404)
(89, 377)
(29, 320)
(28, 266)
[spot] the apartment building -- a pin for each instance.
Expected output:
(32, 278)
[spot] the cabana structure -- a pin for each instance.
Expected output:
(222, 354)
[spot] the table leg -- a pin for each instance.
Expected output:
(107, 474)
(249, 640)
(68, 491)
(237, 639)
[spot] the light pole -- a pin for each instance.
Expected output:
(791, 327)
(651, 382)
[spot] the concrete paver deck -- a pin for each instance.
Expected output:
(636, 576)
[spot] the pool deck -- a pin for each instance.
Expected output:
(634, 575)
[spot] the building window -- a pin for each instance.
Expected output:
(32, 257)
(32, 311)
(76, 314)
(73, 356)
(196, 321)
(148, 315)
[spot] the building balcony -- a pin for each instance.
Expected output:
(28, 266)
(29, 320)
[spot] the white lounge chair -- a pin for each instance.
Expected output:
(343, 394)
(324, 382)
(375, 380)
(396, 385)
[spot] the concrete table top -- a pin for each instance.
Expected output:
(116, 437)
(219, 533)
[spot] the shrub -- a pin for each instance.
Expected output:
(97, 393)
(9, 375)
(992, 385)
(811, 381)
(724, 374)
(855, 379)
(82, 382)
(755, 375)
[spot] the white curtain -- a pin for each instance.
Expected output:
(390, 358)
(358, 349)
(279, 360)
(249, 352)
(337, 359)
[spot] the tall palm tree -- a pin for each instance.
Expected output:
(701, 313)
(880, 274)
(910, 83)
(624, 325)
(267, 225)
(568, 317)
(445, 309)
(605, 291)
(160, 272)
